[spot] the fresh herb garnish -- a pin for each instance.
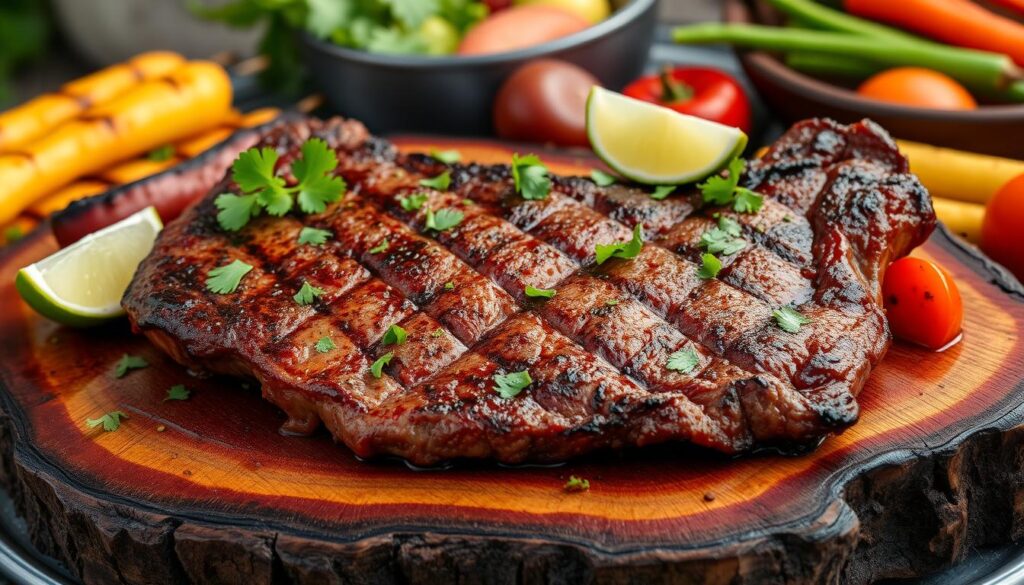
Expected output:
(611, 302)
(602, 179)
(448, 157)
(576, 484)
(443, 219)
(255, 174)
(440, 182)
(719, 190)
(381, 247)
(13, 234)
(177, 392)
(325, 344)
(626, 250)
(111, 421)
(377, 368)
(510, 385)
(438, 332)
(683, 361)
(530, 177)
(545, 293)
(161, 154)
(225, 279)
(662, 192)
(789, 319)
(710, 266)
(308, 294)
(413, 202)
(128, 363)
(723, 239)
(395, 335)
(313, 236)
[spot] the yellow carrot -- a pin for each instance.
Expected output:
(259, 116)
(963, 219)
(196, 145)
(61, 198)
(954, 174)
(133, 170)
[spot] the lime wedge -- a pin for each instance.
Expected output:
(657, 146)
(82, 284)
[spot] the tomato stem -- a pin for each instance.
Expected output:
(672, 90)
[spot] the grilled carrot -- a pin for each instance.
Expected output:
(193, 98)
(259, 117)
(195, 145)
(61, 198)
(957, 22)
(24, 124)
(133, 170)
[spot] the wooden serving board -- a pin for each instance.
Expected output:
(206, 490)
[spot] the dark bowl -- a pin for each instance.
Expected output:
(990, 129)
(452, 94)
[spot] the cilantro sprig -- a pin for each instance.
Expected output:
(111, 421)
(724, 239)
(177, 392)
(626, 250)
(308, 294)
(710, 266)
(448, 157)
(226, 279)
(603, 179)
(439, 183)
(719, 190)
(443, 219)
(255, 173)
(789, 319)
(576, 484)
(660, 193)
(395, 335)
(413, 202)
(325, 344)
(128, 363)
(683, 361)
(377, 367)
(313, 236)
(540, 293)
(509, 385)
(531, 177)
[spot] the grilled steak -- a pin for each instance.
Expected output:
(839, 206)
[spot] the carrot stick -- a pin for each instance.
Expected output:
(195, 97)
(133, 170)
(61, 198)
(193, 146)
(956, 22)
(26, 123)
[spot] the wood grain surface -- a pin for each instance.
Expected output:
(206, 490)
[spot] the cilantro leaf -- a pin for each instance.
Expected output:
(325, 344)
(530, 177)
(111, 421)
(545, 293)
(313, 236)
(161, 154)
(510, 385)
(576, 484)
(225, 279)
(747, 201)
(235, 211)
(660, 193)
(317, 188)
(437, 332)
(683, 361)
(448, 157)
(315, 195)
(449, 285)
(381, 247)
(626, 250)
(440, 182)
(177, 392)
(254, 170)
(443, 219)
(611, 302)
(307, 294)
(395, 335)
(789, 319)
(602, 179)
(276, 200)
(413, 202)
(729, 226)
(128, 363)
(719, 190)
(710, 266)
(377, 368)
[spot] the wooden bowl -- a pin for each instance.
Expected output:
(991, 129)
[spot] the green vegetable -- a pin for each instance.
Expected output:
(448, 157)
(710, 266)
(443, 219)
(822, 17)
(576, 484)
(626, 250)
(510, 385)
(128, 363)
(683, 361)
(437, 332)
(381, 247)
(308, 294)
(225, 279)
(723, 239)
(449, 285)
(543, 293)
(325, 344)
(377, 367)
(440, 182)
(111, 421)
(719, 190)
(530, 177)
(662, 192)
(177, 392)
(313, 236)
(602, 179)
(413, 202)
(789, 319)
(395, 335)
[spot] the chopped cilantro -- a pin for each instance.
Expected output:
(789, 319)
(177, 392)
(111, 421)
(443, 219)
(307, 294)
(448, 157)
(747, 201)
(316, 188)
(449, 285)
(440, 182)
(719, 190)
(611, 302)
(468, 202)
(128, 363)
(510, 385)
(545, 293)
(377, 368)
(723, 239)
(576, 484)
(161, 154)
(437, 332)
(627, 250)
(413, 202)
(710, 266)
(325, 344)
(683, 361)
(602, 179)
(313, 236)
(381, 247)
(530, 177)
(395, 335)
(225, 279)
(662, 192)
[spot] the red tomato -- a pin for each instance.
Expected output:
(922, 303)
(520, 27)
(697, 91)
(916, 86)
(545, 101)
(1002, 232)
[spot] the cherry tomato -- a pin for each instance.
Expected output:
(1002, 231)
(915, 86)
(697, 91)
(922, 303)
(545, 101)
(520, 27)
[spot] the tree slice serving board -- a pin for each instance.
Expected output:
(206, 490)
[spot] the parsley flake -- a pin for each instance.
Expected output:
(576, 484)
(448, 157)
(789, 319)
(443, 219)
(449, 285)
(602, 179)
(377, 368)
(325, 344)
(626, 250)
(111, 421)
(161, 154)
(660, 193)
(437, 332)
(530, 177)
(440, 182)
(710, 266)
(683, 361)
(413, 202)
(177, 392)
(128, 363)
(395, 335)
(307, 294)
(381, 247)
(545, 293)
(719, 190)
(313, 236)
(509, 386)
(225, 279)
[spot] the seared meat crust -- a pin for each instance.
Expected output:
(840, 205)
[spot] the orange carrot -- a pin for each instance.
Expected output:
(195, 145)
(133, 170)
(957, 22)
(61, 198)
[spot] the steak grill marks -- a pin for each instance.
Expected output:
(596, 351)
